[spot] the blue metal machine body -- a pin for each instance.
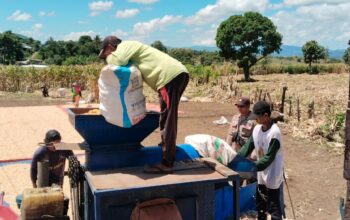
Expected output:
(111, 147)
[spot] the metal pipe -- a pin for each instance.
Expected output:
(43, 173)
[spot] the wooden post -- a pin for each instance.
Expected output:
(346, 172)
(270, 101)
(260, 93)
(298, 110)
(311, 110)
(43, 173)
(283, 98)
(290, 107)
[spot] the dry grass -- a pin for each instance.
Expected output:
(329, 92)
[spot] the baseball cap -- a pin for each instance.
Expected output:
(52, 135)
(261, 107)
(243, 101)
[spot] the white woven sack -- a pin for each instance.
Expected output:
(122, 101)
(211, 146)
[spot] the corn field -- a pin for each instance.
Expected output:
(16, 78)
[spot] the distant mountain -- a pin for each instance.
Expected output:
(205, 48)
(287, 51)
(290, 51)
(338, 54)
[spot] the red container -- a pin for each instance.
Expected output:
(6, 213)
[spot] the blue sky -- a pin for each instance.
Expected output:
(179, 23)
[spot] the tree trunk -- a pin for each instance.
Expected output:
(310, 70)
(246, 73)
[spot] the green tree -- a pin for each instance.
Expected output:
(247, 38)
(346, 55)
(207, 58)
(10, 48)
(313, 52)
(160, 46)
(185, 56)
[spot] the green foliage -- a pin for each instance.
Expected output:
(203, 74)
(10, 48)
(248, 38)
(185, 56)
(312, 53)
(84, 51)
(346, 56)
(160, 46)
(208, 58)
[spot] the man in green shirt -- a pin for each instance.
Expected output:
(266, 140)
(163, 74)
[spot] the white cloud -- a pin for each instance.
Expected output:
(120, 33)
(19, 16)
(223, 8)
(204, 38)
(44, 13)
(74, 36)
(127, 13)
(343, 37)
(143, 29)
(311, 2)
(144, 1)
(100, 6)
(37, 27)
(327, 24)
(34, 32)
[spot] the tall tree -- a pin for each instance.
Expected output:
(313, 52)
(247, 38)
(346, 56)
(160, 46)
(10, 48)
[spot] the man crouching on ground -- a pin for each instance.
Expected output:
(163, 74)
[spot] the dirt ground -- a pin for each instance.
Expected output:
(314, 173)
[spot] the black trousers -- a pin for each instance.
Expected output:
(169, 99)
(347, 201)
(268, 200)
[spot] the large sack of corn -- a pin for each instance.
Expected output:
(122, 101)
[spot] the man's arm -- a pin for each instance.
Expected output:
(247, 148)
(124, 52)
(268, 158)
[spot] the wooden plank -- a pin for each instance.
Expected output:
(215, 165)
